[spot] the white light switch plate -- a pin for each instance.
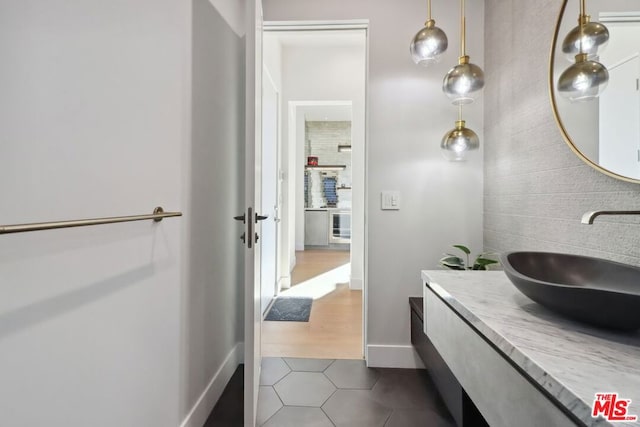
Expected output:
(390, 200)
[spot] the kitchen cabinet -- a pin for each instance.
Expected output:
(316, 227)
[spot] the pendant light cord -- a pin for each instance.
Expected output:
(460, 112)
(581, 22)
(428, 10)
(463, 29)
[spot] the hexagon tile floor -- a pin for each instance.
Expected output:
(318, 392)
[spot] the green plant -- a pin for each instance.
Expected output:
(456, 263)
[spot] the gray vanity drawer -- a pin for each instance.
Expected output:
(504, 397)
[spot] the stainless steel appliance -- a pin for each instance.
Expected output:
(339, 226)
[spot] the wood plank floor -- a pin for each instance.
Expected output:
(311, 263)
(334, 330)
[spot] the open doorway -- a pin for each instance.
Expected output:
(318, 76)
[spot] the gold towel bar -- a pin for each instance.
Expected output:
(157, 215)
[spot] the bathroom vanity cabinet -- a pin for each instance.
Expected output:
(520, 364)
(462, 409)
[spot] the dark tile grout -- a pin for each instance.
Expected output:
(284, 359)
(327, 415)
(279, 398)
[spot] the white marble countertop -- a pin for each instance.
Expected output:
(572, 361)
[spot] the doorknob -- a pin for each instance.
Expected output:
(249, 236)
(259, 218)
(241, 218)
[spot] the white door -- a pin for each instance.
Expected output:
(269, 206)
(253, 158)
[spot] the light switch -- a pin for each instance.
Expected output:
(390, 200)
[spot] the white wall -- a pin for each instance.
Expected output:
(213, 292)
(441, 202)
(117, 325)
(93, 112)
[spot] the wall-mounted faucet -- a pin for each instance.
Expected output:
(588, 217)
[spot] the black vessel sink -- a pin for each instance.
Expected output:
(596, 291)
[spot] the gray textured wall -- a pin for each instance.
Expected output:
(536, 189)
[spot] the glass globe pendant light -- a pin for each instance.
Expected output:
(583, 81)
(464, 81)
(428, 45)
(457, 143)
(586, 78)
(588, 37)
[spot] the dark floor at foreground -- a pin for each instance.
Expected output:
(228, 412)
(343, 393)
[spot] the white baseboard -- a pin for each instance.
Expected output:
(268, 307)
(355, 284)
(240, 352)
(284, 282)
(393, 356)
(199, 413)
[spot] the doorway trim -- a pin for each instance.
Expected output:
(345, 24)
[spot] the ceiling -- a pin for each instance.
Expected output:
(319, 38)
(327, 113)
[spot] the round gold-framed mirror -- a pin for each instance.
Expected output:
(603, 129)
